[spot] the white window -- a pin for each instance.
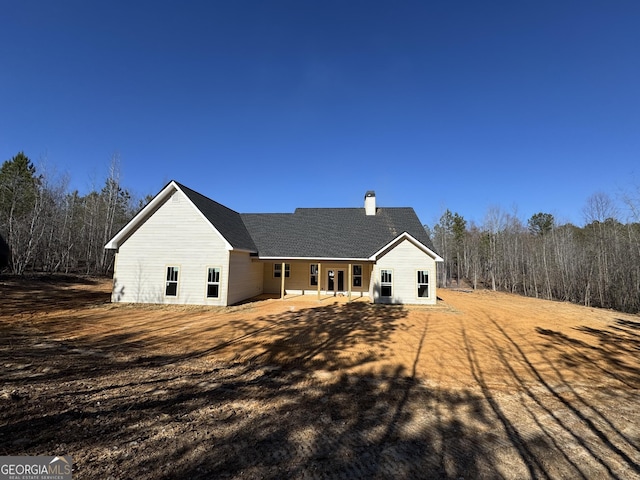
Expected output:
(313, 274)
(171, 288)
(213, 282)
(386, 283)
(357, 275)
(423, 283)
(277, 270)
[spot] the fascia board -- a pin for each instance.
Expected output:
(412, 239)
(319, 259)
(124, 232)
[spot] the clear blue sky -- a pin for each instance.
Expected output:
(265, 106)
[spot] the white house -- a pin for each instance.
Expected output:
(184, 248)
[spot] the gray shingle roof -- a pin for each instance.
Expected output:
(228, 222)
(331, 232)
(310, 232)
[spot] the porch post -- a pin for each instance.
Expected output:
(319, 272)
(350, 280)
(282, 282)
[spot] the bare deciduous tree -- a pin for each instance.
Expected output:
(48, 229)
(597, 264)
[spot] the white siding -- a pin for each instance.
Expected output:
(404, 260)
(245, 277)
(174, 235)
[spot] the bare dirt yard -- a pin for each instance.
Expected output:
(483, 385)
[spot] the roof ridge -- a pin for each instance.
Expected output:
(346, 208)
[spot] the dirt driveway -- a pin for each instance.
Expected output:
(482, 385)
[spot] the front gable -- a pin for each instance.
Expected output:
(172, 194)
(172, 224)
(402, 238)
(405, 268)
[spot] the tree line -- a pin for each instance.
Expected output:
(597, 264)
(46, 228)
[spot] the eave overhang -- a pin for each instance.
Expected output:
(317, 259)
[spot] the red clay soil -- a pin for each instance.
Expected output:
(484, 384)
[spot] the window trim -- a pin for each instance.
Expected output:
(313, 274)
(218, 283)
(354, 276)
(167, 281)
(418, 284)
(287, 270)
(385, 284)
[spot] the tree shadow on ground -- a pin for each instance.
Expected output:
(125, 408)
(609, 355)
(316, 338)
(556, 404)
(31, 294)
(172, 417)
(186, 416)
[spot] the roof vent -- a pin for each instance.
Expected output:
(370, 202)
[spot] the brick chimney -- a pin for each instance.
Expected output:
(370, 202)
